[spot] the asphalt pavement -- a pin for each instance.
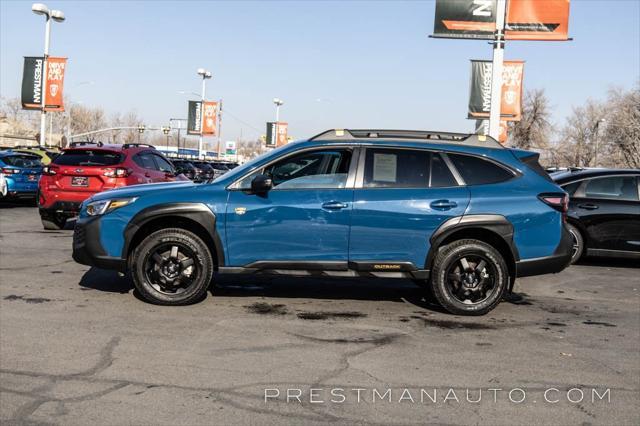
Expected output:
(78, 347)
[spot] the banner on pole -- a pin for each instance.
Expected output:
(32, 82)
(480, 91)
(474, 19)
(194, 118)
(537, 20)
(482, 128)
(53, 100)
(282, 137)
(209, 112)
(271, 135)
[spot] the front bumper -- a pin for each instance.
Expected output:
(559, 260)
(87, 249)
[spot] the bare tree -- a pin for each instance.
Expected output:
(622, 130)
(581, 135)
(534, 129)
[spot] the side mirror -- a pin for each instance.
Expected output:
(261, 184)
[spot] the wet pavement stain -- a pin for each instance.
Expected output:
(13, 297)
(329, 315)
(264, 308)
(604, 324)
(454, 325)
(557, 324)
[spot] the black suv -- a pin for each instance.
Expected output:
(604, 211)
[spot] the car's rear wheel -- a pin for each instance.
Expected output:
(469, 277)
(172, 267)
(577, 243)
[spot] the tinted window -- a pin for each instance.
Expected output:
(571, 187)
(476, 171)
(617, 187)
(163, 164)
(441, 176)
(88, 157)
(311, 170)
(396, 168)
(22, 161)
(145, 160)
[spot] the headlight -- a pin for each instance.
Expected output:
(97, 208)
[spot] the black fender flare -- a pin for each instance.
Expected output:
(497, 224)
(197, 212)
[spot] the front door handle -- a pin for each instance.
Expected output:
(334, 205)
(588, 206)
(443, 205)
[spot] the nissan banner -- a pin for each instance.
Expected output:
(32, 82)
(465, 19)
(194, 118)
(480, 92)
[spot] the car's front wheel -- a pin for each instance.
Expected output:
(172, 267)
(469, 277)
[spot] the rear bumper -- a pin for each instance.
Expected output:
(87, 249)
(20, 189)
(559, 260)
(61, 208)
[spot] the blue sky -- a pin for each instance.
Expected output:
(335, 64)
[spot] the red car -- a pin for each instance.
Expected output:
(87, 168)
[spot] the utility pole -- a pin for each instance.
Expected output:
(205, 75)
(219, 127)
(496, 70)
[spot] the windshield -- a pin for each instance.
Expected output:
(27, 161)
(88, 157)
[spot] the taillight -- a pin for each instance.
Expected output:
(48, 170)
(10, 171)
(118, 172)
(559, 202)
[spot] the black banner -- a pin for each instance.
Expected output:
(480, 91)
(32, 79)
(194, 119)
(271, 134)
(465, 19)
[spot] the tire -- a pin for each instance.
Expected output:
(172, 266)
(578, 243)
(469, 291)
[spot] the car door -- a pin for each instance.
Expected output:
(150, 170)
(609, 210)
(401, 197)
(303, 221)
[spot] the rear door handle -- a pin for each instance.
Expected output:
(334, 205)
(588, 206)
(443, 205)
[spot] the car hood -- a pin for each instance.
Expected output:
(142, 190)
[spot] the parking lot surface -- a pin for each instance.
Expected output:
(77, 347)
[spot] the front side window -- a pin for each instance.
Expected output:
(308, 170)
(614, 187)
(572, 187)
(478, 171)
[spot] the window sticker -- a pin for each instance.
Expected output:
(385, 167)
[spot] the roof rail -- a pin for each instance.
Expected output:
(424, 135)
(72, 144)
(132, 145)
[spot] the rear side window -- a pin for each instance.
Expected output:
(163, 164)
(614, 187)
(406, 168)
(88, 157)
(145, 160)
(477, 171)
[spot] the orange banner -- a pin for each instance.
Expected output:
(511, 102)
(209, 111)
(53, 100)
(282, 137)
(537, 20)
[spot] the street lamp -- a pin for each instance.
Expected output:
(596, 127)
(141, 128)
(166, 131)
(58, 16)
(205, 75)
(278, 102)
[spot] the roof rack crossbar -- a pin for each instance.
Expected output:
(83, 143)
(131, 145)
(425, 135)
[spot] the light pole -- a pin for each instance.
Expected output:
(166, 131)
(596, 127)
(205, 75)
(58, 16)
(278, 102)
(141, 128)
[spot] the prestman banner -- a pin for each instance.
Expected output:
(480, 91)
(194, 118)
(32, 86)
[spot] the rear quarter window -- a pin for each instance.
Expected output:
(88, 157)
(477, 171)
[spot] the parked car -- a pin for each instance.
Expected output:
(19, 174)
(87, 168)
(604, 211)
(220, 167)
(205, 172)
(46, 154)
(184, 167)
(459, 213)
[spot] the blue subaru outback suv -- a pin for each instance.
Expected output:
(458, 213)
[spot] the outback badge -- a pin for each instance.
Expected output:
(241, 210)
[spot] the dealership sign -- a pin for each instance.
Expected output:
(34, 87)
(525, 19)
(194, 118)
(480, 92)
(230, 148)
